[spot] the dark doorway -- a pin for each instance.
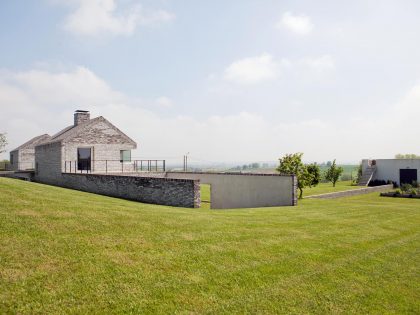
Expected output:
(408, 176)
(84, 159)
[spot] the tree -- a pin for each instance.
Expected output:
(359, 174)
(333, 173)
(315, 171)
(3, 142)
(407, 156)
(292, 164)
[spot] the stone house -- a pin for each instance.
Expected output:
(23, 157)
(89, 145)
(93, 155)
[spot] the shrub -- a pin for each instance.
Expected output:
(359, 172)
(398, 192)
(413, 191)
(406, 188)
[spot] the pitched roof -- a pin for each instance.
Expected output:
(71, 131)
(34, 142)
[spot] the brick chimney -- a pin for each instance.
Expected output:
(81, 116)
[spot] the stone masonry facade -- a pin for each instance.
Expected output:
(162, 191)
(105, 141)
(23, 157)
(48, 166)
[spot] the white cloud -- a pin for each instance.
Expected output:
(299, 24)
(164, 101)
(252, 70)
(265, 67)
(95, 17)
(323, 63)
(36, 102)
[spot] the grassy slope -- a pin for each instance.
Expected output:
(323, 188)
(67, 251)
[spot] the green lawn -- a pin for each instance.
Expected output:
(64, 251)
(323, 188)
(205, 196)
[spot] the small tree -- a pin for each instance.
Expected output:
(407, 156)
(359, 174)
(315, 171)
(3, 142)
(292, 164)
(333, 173)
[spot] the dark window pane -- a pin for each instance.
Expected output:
(83, 158)
(125, 155)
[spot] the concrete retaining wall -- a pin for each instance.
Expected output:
(354, 192)
(162, 191)
(234, 190)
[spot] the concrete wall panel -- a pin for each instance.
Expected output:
(232, 190)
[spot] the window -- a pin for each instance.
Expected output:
(83, 159)
(125, 156)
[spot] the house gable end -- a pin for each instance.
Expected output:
(99, 131)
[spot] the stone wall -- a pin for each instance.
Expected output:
(48, 166)
(22, 159)
(161, 191)
(14, 160)
(27, 159)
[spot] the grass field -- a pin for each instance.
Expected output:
(323, 188)
(64, 251)
(349, 170)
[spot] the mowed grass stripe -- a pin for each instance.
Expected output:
(66, 251)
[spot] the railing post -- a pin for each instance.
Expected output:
(106, 166)
(164, 167)
(122, 167)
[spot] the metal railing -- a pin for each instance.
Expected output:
(114, 166)
(17, 166)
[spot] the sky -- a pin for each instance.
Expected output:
(225, 81)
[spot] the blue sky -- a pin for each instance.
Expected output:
(223, 80)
